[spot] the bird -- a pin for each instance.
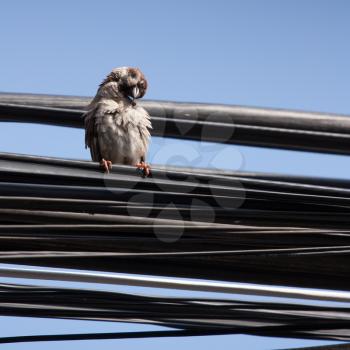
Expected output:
(117, 129)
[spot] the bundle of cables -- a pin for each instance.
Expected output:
(185, 223)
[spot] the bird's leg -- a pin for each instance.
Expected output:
(143, 168)
(106, 165)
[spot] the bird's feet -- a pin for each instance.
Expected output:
(106, 165)
(143, 169)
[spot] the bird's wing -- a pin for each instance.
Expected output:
(143, 127)
(92, 118)
(91, 140)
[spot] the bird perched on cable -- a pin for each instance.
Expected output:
(116, 128)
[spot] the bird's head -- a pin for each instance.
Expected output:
(130, 81)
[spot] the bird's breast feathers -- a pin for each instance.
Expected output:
(123, 131)
(124, 113)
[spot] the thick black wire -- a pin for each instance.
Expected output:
(218, 123)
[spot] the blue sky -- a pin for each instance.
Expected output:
(283, 54)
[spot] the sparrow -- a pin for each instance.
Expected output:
(116, 127)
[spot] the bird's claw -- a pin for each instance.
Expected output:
(143, 169)
(106, 165)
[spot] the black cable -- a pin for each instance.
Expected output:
(104, 336)
(219, 123)
(325, 347)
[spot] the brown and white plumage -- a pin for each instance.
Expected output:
(116, 128)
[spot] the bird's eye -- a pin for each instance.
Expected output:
(132, 74)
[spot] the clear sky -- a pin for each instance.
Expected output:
(284, 54)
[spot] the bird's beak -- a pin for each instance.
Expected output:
(135, 92)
